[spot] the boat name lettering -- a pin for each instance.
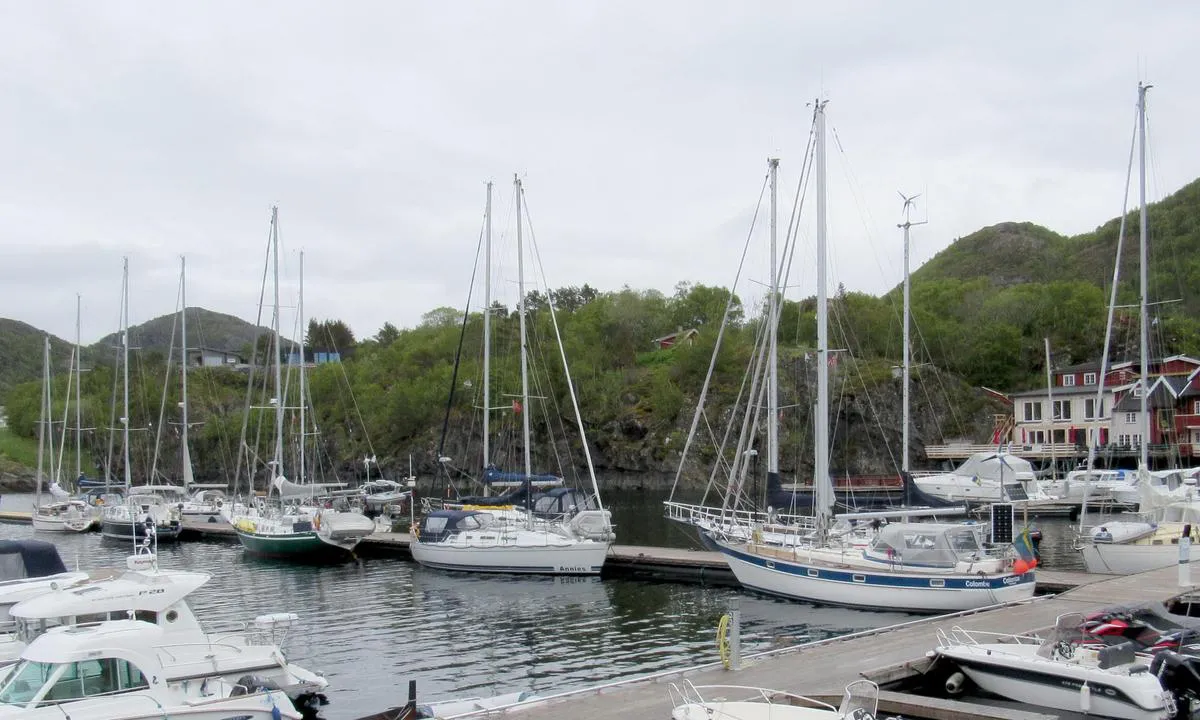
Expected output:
(152, 591)
(977, 584)
(1012, 579)
(571, 568)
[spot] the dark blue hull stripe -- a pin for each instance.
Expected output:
(868, 577)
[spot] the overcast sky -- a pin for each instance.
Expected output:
(641, 130)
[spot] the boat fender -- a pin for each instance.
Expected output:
(1085, 698)
(317, 522)
(955, 684)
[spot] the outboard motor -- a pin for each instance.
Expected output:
(1178, 675)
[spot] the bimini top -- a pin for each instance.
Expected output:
(29, 558)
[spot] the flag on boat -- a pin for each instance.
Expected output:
(1023, 545)
(516, 406)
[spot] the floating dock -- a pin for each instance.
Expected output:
(887, 655)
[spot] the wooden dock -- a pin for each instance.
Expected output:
(885, 655)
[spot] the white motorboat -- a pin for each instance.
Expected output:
(125, 669)
(159, 597)
(1061, 672)
(984, 478)
(736, 702)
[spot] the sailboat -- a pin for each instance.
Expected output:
(1137, 545)
(58, 515)
(144, 514)
(295, 527)
(917, 567)
(513, 540)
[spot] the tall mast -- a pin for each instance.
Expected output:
(524, 359)
(1050, 399)
(186, 456)
(78, 393)
(821, 481)
(278, 471)
(487, 329)
(125, 369)
(907, 374)
(303, 395)
(43, 418)
(1142, 260)
(772, 342)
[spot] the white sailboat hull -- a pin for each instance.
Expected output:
(1120, 559)
(1033, 680)
(875, 589)
(526, 556)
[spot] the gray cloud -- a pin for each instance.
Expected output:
(641, 130)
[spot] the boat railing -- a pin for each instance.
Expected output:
(167, 653)
(957, 635)
(689, 694)
(710, 517)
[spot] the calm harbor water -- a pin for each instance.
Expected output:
(374, 624)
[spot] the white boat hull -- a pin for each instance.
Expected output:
(912, 592)
(63, 524)
(259, 706)
(1058, 685)
(1121, 559)
(581, 558)
(734, 710)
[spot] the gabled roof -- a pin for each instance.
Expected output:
(1163, 394)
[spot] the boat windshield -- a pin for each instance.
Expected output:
(52, 683)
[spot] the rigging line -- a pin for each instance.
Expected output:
(792, 236)
(857, 365)
(243, 450)
(1112, 305)
(717, 344)
(462, 334)
(587, 452)
(162, 405)
(864, 210)
(544, 390)
(746, 435)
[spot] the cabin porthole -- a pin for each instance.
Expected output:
(172, 616)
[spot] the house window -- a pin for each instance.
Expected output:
(1037, 437)
(1068, 380)
(1089, 378)
(1062, 409)
(1130, 418)
(1137, 391)
(1196, 407)
(1089, 409)
(1033, 411)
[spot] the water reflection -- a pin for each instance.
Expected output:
(370, 626)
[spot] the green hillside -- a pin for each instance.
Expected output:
(981, 308)
(21, 354)
(205, 329)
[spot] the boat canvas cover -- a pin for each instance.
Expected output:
(993, 466)
(494, 474)
(28, 559)
(931, 544)
(441, 524)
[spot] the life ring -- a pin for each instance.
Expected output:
(723, 649)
